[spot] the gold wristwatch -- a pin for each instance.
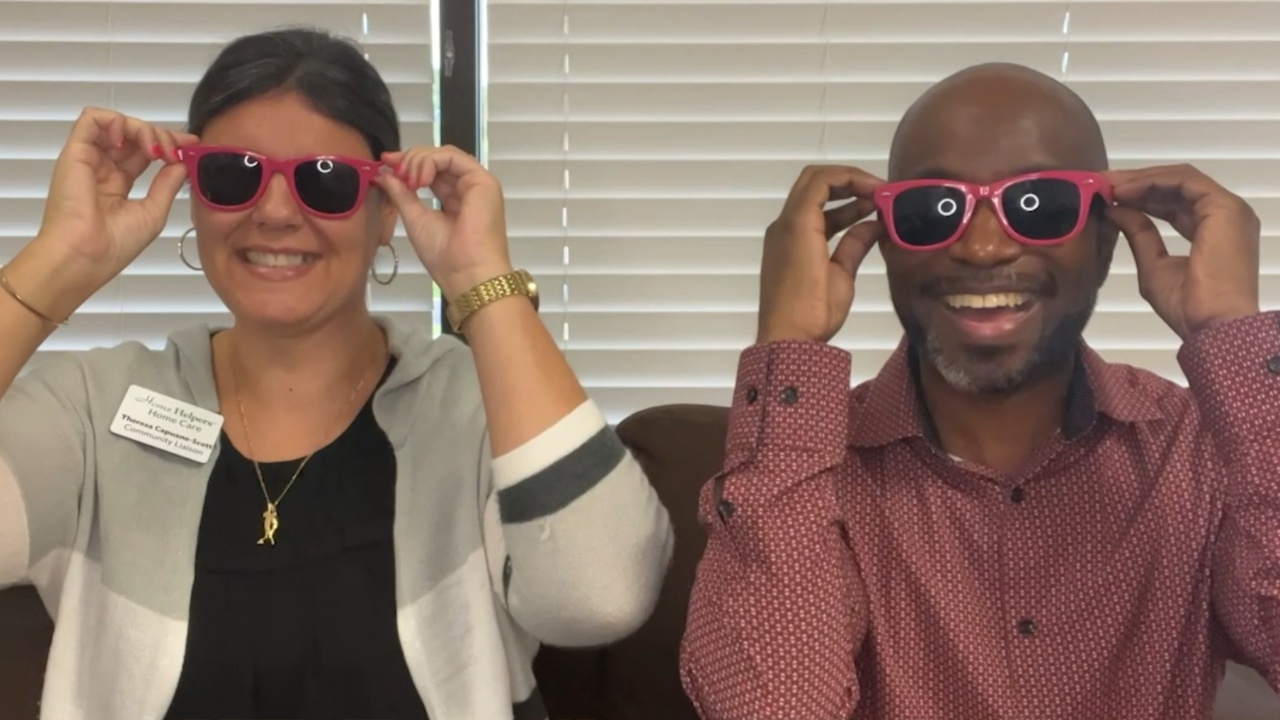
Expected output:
(519, 282)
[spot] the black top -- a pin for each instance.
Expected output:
(305, 628)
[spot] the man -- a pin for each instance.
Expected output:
(1000, 524)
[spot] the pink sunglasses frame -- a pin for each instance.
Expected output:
(1090, 184)
(367, 170)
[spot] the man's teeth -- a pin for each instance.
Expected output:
(993, 300)
(266, 259)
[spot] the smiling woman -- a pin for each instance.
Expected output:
(312, 511)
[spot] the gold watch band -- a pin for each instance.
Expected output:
(519, 282)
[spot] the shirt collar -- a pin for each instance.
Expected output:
(890, 407)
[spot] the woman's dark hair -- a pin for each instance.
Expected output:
(330, 72)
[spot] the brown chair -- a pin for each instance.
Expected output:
(25, 630)
(680, 447)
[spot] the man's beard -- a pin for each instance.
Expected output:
(1054, 350)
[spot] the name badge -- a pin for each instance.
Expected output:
(167, 424)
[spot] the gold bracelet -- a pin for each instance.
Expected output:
(4, 283)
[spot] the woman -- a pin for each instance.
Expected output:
(298, 515)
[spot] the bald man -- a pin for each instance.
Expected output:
(1000, 524)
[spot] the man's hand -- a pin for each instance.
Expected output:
(1218, 281)
(806, 290)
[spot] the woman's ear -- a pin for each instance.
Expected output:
(387, 217)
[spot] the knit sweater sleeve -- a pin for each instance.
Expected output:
(43, 441)
(587, 541)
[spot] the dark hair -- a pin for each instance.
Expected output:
(330, 72)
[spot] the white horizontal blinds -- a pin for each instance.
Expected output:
(687, 121)
(144, 58)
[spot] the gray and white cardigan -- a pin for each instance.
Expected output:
(561, 541)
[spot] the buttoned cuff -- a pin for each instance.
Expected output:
(1233, 370)
(791, 396)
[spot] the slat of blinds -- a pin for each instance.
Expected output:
(152, 329)
(661, 371)
(706, 102)
(770, 21)
(29, 147)
(644, 178)
(724, 254)
(847, 60)
(645, 146)
(207, 20)
(867, 327)
(691, 216)
(143, 58)
(159, 102)
(625, 293)
(624, 381)
(104, 61)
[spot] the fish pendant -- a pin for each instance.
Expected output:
(270, 523)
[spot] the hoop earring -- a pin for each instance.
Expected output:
(395, 267)
(182, 256)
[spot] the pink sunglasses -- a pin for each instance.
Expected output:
(1041, 208)
(228, 178)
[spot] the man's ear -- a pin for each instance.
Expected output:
(1108, 234)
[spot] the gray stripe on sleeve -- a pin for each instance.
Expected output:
(567, 479)
(506, 579)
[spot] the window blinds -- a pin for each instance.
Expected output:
(644, 147)
(143, 59)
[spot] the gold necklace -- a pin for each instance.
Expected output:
(270, 518)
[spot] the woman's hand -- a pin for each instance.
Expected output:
(464, 243)
(89, 217)
(91, 228)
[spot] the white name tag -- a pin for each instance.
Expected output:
(167, 424)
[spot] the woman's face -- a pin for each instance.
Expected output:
(275, 263)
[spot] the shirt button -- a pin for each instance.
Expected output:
(1273, 364)
(725, 508)
(1018, 495)
(790, 395)
(752, 394)
(1027, 626)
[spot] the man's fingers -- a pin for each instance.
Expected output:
(855, 244)
(1143, 236)
(819, 185)
(844, 216)
(1128, 181)
(1181, 195)
(1159, 190)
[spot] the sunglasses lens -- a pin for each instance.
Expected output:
(228, 179)
(1044, 209)
(928, 216)
(327, 186)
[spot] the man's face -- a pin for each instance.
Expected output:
(988, 312)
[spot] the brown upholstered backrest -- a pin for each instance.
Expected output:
(680, 447)
(25, 632)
